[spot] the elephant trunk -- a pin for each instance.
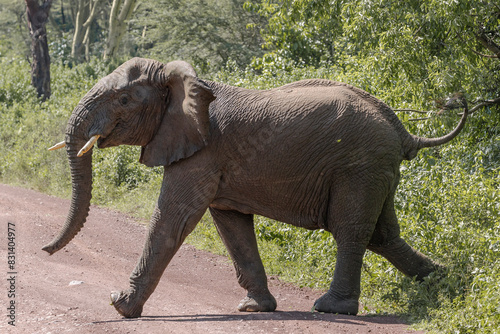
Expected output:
(81, 179)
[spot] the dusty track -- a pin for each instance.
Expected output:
(197, 294)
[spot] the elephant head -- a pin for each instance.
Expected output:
(161, 107)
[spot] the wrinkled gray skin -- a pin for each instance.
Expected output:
(314, 153)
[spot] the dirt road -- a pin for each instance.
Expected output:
(69, 291)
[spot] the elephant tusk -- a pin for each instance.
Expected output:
(57, 146)
(88, 146)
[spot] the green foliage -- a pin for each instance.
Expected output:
(121, 182)
(410, 54)
(14, 35)
(429, 49)
(207, 237)
(28, 128)
(303, 257)
(300, 30)
(206, 33)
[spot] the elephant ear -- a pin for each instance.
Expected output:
(185, 126)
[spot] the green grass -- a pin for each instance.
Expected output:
(448, 201)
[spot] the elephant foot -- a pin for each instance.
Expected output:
(254, 303)
(329, 304)
(122, 301)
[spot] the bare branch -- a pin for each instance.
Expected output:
(118, 24)
(483, 55)
(418, 30)
(488, 43)
(92, 15)
(413, 110)
(484, 104)
(474, 51)
(127, 10)
(434, 113)
(419, 119)
(497, 6)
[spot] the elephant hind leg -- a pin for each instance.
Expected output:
(405, 258)
(352, 217)
(387, 242)
(343, 295)
(237, 233)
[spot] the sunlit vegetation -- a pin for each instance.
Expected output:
(411, 54)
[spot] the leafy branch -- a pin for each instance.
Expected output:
(488, 43)
(484, 104)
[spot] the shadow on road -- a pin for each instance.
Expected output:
(267, 316)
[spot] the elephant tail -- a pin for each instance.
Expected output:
(421, 142)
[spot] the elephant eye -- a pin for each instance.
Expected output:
(124, 98)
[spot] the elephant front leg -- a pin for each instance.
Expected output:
(237, 232)
(180, 207)
(387, 242)
(163, 240)
(343, 295)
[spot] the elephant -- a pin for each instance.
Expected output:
(315, 153)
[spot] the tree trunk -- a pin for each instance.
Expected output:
(118, 24)
(82, 12)
(85, 16)
(40, 67)
(88, 26)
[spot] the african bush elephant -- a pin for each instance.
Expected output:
(315, 153)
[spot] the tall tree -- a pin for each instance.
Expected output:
(38, 15)
(121, 11)
(206, 33)
(86, 11)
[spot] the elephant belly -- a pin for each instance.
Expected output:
(301, 192)
(290, 162)
(282, 201)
